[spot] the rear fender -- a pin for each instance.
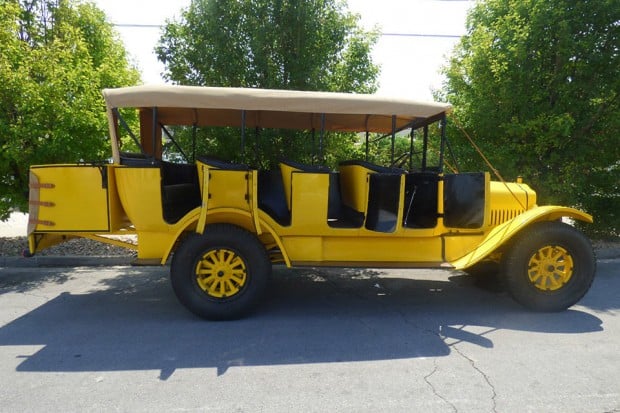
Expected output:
(186, 224)
(501, 234)
(245, 220)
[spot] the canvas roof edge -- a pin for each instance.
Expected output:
(175, 96)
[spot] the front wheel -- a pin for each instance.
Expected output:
(549, 267)
(221, 274)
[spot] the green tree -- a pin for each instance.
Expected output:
(536, 84)
(55, 57)
(274, 44)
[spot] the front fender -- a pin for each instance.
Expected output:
(501, 234)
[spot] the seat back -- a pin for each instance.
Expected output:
(271, 196)
(383, 201)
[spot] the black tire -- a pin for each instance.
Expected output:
(235, 272)
(549, 267)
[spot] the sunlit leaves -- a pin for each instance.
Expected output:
(273, 44)
(536, 83)
(55, 57)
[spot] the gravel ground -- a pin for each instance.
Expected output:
(14, 246)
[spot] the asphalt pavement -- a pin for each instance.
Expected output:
(337, 340)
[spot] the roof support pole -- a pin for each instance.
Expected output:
(411, 148)
(393, 137)
(313, 145)
(367, 135)
(257, 145)
(125, 126)
(443, 142)
(154, 133)
(194, 128)
(243, 114)
(425, 148)
(321, 138)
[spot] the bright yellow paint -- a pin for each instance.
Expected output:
(71, 199)
(253, 197)
(221, 273)
(354, 184)
(139, 190)
(379, 249)
(501, 234)
(309, 201)
(203, 170)
(459, 244)
(287, 179)
(550, 268)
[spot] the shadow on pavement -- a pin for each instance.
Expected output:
(309, 316)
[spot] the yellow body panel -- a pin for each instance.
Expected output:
(69, 201)
(139, 190)
(71, 198)
(287, 180)
(118, 218)
(228, 189)
(383, 249)
(458, 244)
(354, 184)
(203, 170)
(507, 200)
(309, 202)
(373, 251)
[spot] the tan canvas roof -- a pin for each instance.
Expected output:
(272, 108)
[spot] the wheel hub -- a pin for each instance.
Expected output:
(221, 273)
(550, 268)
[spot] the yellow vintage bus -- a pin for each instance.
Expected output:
(224, 224)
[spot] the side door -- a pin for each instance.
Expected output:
(73, 198)
(465, 199)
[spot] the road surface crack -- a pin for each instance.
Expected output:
(484, 376)
(434, 390)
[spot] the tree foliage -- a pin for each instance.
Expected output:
(536, 84)
(273, 44)
(55, 57)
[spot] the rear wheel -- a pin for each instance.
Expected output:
(221, 274)
(549, 267)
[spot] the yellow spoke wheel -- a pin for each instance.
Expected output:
(221, 273)
(550, 268)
